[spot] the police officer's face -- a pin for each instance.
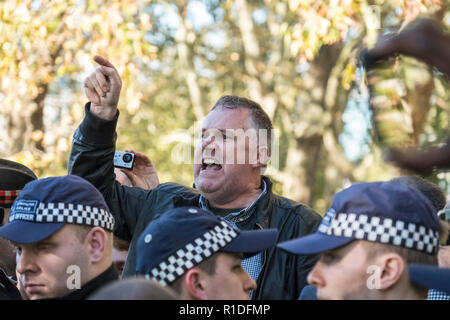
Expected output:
(53, 267)
(229, 281)
(341, 273)
(225, 159)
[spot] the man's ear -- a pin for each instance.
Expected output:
(392, 268)
(97, 240)
(263, 156)
(193, 284)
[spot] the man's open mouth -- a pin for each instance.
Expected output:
(211, 164)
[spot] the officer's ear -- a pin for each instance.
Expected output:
(97, 242)
(193, 284)
(392, 266)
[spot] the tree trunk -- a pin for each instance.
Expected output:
(305, 156)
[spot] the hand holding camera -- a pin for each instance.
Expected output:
(138, 168)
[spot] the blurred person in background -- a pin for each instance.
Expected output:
(119, 254)
(426, 40)
(13, 178)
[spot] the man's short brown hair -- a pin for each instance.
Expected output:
(207, 265)
(408, 255)
(120, 244)
(431, 191)
(81, 231)
(259, 117)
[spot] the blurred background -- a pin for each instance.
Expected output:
(298, 59)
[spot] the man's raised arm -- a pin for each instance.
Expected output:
(93, 146)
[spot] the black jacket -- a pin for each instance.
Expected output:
(8, 290)
(90, 287)
(283, 275)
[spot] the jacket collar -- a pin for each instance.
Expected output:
(255, 213)
(91, 286)
(259, 212)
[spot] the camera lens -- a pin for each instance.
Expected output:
(127, 157)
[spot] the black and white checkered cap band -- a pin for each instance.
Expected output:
(193, 253)
(70, 213)
(383, 230)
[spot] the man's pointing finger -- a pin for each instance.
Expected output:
(102, 61)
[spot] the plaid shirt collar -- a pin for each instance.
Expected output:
(437, 295)
(238, 216)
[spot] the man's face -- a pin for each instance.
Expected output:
(230, 281)
(444, 256)
(118, 258)
(224, 158)
(43, 266)
(7, 255)
(341, 274)
(6, 213)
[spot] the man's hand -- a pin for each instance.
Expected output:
(410, 159)
(420, 161)
(423, 39)
(102, 88)
(144, 174)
